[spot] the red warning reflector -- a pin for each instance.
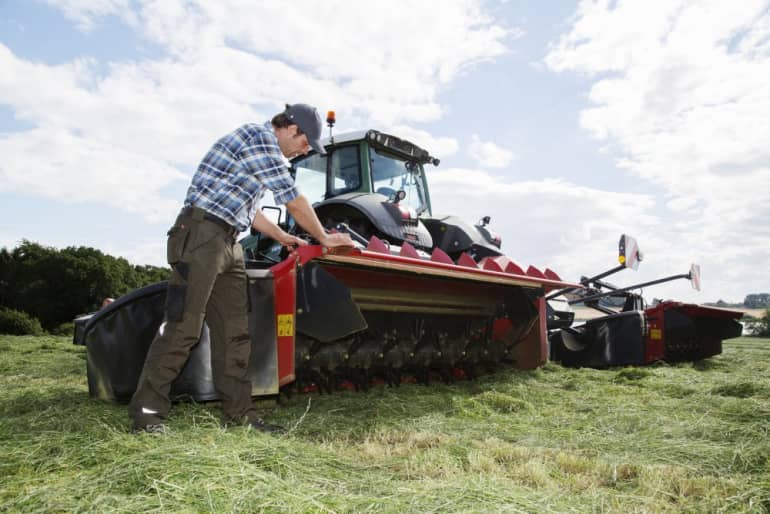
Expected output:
(377, 245)
(440, 255)
(550, 274)
(408, 250)
(492, 264)
(513, 268)
(467, 261)
(534, 272)
(503, 264)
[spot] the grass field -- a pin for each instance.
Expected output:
(685, 438)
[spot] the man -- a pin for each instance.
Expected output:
(207, 270)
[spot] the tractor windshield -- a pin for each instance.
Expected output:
(392, 174)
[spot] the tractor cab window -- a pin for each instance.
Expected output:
(391, 174)
(310, 173)
(310, 177)
(346, 170)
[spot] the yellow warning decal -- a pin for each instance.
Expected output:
(285, 325)
(656, 333)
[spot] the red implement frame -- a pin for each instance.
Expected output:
(498, 272)
(655, 349)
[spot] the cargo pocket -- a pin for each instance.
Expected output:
(237, 357)
(202, 236)
(238, 347)
(175, 300)
(177, 241)
(183, 268)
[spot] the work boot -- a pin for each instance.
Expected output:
(147, 421)
(152, 428)
(252, 421)
(259, 424)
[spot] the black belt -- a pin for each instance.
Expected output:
(202, 214)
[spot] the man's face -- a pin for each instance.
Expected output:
(290, 143)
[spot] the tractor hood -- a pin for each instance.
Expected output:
(388, 217)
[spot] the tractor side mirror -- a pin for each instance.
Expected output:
(629, 254)
(695, 276)
(400, 195)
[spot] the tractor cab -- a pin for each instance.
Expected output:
(374, 184)
(366, 162)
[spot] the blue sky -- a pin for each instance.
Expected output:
(568, 122)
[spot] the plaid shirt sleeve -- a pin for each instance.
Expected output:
(263, 157)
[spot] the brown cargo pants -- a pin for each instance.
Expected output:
(207, 280)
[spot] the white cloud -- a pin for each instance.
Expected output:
(489, 154)
(141, 251)
(85, 13)
(574, 231)
(681, 94)
(71, 169)
(9, 241)
(387, 60)
(439, 147)
(137, 123)
(542, 220)
(681, 203)
(138, 251)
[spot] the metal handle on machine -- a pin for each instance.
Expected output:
(586, 281)
(628, 256)
(358, 238)
(629, 288)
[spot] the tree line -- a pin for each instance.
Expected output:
(757, 301)
(54, 286)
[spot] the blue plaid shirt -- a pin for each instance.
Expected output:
(237, 171)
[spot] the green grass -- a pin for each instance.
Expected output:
(685, 438)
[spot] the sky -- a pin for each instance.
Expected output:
(569, 123)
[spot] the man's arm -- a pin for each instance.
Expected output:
(264, 225)
(263, 158)
(305, 216)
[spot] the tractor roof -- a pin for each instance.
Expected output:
(346, 137)
(380, 139)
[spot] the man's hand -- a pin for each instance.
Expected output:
(290, 241)
(262, 224)
(306, 217)
(337, 240)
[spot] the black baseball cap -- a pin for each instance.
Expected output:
(309, 122)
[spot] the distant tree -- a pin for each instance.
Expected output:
(149, 275)
(18, 323)
(6, 272)
(763, 326)
(757, 301)
(56, 285)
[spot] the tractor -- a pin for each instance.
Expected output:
(422, 297)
